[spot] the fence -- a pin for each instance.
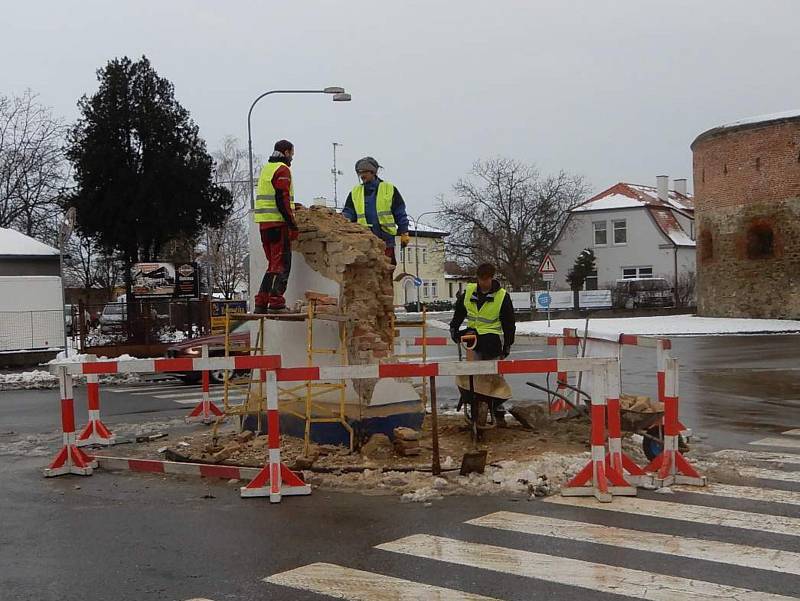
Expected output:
(25, 330)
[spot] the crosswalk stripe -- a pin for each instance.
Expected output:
(754, 472)
(786, 443)
(752, 493)
(688, 513)
(575, 572)
(145, 388)
(693, 548)
(177, 395)
(357, 585)
(737, 455)
(795, 432)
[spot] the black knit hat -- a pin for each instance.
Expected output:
(283, 145)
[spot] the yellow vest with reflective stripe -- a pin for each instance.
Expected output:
(383, 202)
(487, 319)
(266, 207)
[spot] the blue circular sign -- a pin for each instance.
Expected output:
(417, 282)
(544, 299)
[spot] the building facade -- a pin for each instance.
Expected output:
(635, 231)
(423, 258)
(747, 189)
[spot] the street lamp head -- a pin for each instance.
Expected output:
(342, 97)
(334, 90)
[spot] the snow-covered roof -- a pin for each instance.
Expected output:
(14, 243)
(624, 196)
(424, 228)
(749, 121)
(670, 226)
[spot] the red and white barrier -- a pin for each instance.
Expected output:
(158, 466)
(205, 411)
(597, 479)
(557, 404)
(95, 431)
(275, 479)
(70, 459)
(616, 460)
(671, 466)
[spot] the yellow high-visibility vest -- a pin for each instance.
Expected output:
(485, 320)
(383, 202)
(266, 207)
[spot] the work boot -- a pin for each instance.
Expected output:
(500, 419)
(277, 310)
(260, 309)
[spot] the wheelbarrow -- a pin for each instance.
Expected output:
(649, 426)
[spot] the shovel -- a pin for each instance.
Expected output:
(474, 460)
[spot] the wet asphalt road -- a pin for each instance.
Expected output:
(117, 536)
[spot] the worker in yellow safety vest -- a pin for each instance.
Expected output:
(378, 205)
(274, 214)
(489, 312)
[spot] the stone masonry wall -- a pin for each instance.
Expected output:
(352, 256)
(748, 179)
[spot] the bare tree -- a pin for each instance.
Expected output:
(86, 266)
(508, 214)
(684, 291)
(33, 169)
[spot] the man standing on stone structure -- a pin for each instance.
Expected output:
(378, 205)
(274, 214)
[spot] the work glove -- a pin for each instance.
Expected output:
(293, 234)
(455, 335)
(506, 351)
(404, 239)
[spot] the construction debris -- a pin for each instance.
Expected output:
(640, 404)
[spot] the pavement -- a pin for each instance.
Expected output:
(146, 536)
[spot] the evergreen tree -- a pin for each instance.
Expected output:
(143, 176)
(583, 267)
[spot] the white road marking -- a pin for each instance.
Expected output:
(145, 388)
(574, 572)
(737, 455)
(786, 443)
(357, 585)
(752, 493)
(688, 513)
(177, 395)
(795, 432)
(693, 548)
(754, 472)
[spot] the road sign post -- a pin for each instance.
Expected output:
(548, 271)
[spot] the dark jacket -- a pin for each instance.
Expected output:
(371, 212)
(489, 346)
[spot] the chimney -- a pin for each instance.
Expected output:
(680, 186)
(662, 185)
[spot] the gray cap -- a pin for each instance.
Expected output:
(367, 164)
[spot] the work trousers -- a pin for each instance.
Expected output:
(278, 250)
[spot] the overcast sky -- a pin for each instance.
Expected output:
(615, 91)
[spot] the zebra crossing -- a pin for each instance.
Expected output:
(654, 546)
(176, 392)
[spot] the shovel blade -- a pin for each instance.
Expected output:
(473, 461)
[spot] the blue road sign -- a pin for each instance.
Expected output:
(417, 282)
(544, 299)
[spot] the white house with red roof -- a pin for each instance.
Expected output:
(635, 231)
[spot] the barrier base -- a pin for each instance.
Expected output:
(598, 481)
(290, 484)
(70, 460)
(632, 473)
(205, 412)
(671, 467)
(95, 432)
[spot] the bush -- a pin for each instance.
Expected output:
(438, 305)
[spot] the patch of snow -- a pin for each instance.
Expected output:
(612, 201)
(761, 119)
(671, 325)
(13, 242)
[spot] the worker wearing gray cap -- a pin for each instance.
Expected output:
(378, 205)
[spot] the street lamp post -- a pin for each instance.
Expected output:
(339, 95)
(416, 249)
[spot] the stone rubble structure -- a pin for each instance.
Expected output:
(353, 257)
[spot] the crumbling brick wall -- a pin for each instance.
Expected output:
(352, 256)
(746, 182)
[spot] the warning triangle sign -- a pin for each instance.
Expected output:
(547, 265)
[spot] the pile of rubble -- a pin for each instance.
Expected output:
(640, 404)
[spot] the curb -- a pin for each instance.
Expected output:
(156, 466)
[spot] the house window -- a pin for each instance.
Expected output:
(429, 288)
(402, 256)
(591, 281)
(600, 233)
(424, 254)
(630, 273)
(620, 231)
(450, 289)
(760, 241)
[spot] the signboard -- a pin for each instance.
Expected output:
(559, 299)
(153, 280)
(548, 277)
(544, 299)
(417, 282)
(547, 265)
(521, 300)
(187, 280)
(594, 299)
(218, 308)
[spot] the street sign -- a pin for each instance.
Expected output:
(548, 277)
(547, 265)
(544, 299)
(417, 282)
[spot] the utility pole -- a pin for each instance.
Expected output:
(336, 173)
